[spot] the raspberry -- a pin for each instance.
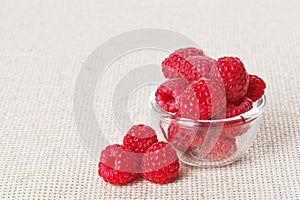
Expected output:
(224, 148)
(239, 107)
(167, 92)
(171, 65)
(234, 130)
(160, 163)
(256, 88)
(228, 130)
(189, 51)
(117, 165)
(139, 138)
(201, 100)
(197, 67)
(234, 77)
(183, 138)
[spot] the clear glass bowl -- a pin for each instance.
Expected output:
(208, 143)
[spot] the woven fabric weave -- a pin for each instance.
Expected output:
(42, 47)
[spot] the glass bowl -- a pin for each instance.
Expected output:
(208, 143)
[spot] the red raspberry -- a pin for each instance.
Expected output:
(167, 92)
(139, 138)
(160, 163)
(186, 139)
(239, 107)
(234, 77)
(189, 51)
(183, 138)
(256, 88)
(228, 129)
(201, 100)
(197, 67)
(117, 165)
(171, 65)
(224, 148)
(233, 130)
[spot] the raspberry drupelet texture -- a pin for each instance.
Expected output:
(224, 148)
(256, 88)
(239, 107)
(202, 100)
(160, 163)
(117, 165)
(234, 76)
(167, 93)
(189, 51)
(197, 67)
(183, 138)
(139, 138)
(233, 130)
(172, 64)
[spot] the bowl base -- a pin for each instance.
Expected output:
(191, 158)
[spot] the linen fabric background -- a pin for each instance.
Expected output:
(42, 47)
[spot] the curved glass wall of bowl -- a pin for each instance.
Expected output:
(246, 125)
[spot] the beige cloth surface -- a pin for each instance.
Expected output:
(42, 47)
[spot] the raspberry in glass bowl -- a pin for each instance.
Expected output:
(212, 142)
(208, 109)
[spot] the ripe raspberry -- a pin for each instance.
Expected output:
(228, 130)
(139, 138)
(167, 92)
(183, 138)
(197, 67)
(231, 130)
(234, 76)
(201, 100)
(224, 148)
(160, 163)
(189, 51)
(256, 88)
(117, 165)
(171, 65)
(239, 107)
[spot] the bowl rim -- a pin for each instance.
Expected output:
(255, 112)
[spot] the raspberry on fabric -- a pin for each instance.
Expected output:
(256, 88)
(239, 107)
(183, 138)
(160, 163)
(117, 165)
(167, 93)
(139, 138)
(202, 100)
(171, 65)
(224, 148)
(234, 76)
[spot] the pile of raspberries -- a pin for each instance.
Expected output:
(202, 88)
(140, 155)
(198, 88)
(196, 82)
